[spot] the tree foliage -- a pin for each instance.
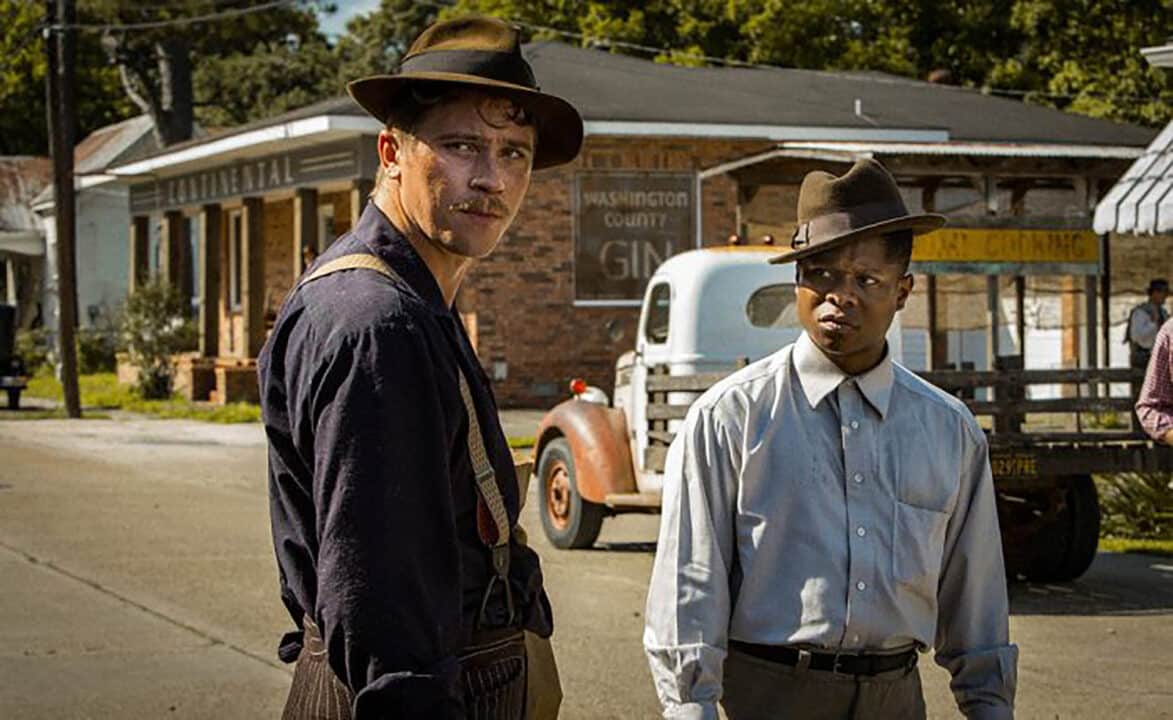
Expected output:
(375, 41)
(1077, 55)
(23, 65)
(224, 70)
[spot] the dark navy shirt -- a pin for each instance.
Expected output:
(371, 488)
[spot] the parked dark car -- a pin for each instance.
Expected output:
(12, 372)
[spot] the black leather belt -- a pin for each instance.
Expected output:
(829, 662)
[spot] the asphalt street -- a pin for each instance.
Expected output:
(137, 581)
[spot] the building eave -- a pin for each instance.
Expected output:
(250, 142)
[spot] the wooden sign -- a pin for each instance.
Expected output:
(1026, 251)
(625, 225)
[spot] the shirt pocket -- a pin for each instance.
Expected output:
(918, 543)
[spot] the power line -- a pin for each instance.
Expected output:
(174, 22)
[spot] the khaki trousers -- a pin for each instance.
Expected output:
(757, 689)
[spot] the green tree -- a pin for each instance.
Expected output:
(374, 41)
(1083, 56)
(165, 69)
(1078, 55)
(22, 82)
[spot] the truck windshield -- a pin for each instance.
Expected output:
(772, 307)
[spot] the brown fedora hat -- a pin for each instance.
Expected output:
(486, 53)
(833, 211)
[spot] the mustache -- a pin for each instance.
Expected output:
(482, 206)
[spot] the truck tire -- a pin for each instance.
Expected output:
(1066, 545)
(569, 520)
(13, 398)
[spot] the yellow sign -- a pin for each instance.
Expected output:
(1007, 245)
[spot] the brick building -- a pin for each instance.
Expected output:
(674, 158)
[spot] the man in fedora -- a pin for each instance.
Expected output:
(392, 486)
(827, 515)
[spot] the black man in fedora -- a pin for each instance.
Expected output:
(828, 516)
(392, 487)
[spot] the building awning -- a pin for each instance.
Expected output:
(22, 242)
(1141, 203)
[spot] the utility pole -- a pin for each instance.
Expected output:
(60, 16)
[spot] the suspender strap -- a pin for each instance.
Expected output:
(350, 262)
(492, 519)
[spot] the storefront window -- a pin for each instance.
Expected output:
(772, 307)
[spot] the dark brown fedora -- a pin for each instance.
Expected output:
(833, 211)
(486, 53)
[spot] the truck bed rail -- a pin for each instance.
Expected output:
(1017, 450)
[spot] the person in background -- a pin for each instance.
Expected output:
(1143, 322)
(308, 256)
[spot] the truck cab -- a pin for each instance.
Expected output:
(704, 312)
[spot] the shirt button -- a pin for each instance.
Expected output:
(861, 585)
(857, 477)
(861, 532)
(855, 639)
(855, 425)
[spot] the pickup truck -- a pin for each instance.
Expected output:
(707, 312)
(12, 372)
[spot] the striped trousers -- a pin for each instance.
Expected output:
(492, 677)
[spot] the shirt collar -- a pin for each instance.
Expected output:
(820, 377)
(386, 241)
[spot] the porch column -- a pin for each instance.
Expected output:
(990, 188)
(140, 244)
(10, 282)
(1018, 209)
(252, 275)
(209, 251)
(359, 191)
(1086, 198)
(938, 351)
(305, 226)
(175, 253)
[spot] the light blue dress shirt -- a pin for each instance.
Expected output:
(806, 507)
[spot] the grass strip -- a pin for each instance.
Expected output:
(102, 390)
(1150, 546)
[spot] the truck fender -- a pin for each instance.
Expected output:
(598, 440)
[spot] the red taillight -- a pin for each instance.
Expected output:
(578, 386)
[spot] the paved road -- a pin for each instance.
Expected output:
(138, 582)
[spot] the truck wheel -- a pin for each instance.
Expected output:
(568, 519)
(1066, 545)
(13, 399)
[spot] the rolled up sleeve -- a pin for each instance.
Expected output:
(689, 603)
(973, 635)
(1154, 406)
(388, 586)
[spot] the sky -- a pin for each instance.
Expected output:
(335, 23)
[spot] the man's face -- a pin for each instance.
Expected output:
(847, 298)
(1159, 296)
(463, 172)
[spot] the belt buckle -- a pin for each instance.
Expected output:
(910, 663)
(837, 664)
